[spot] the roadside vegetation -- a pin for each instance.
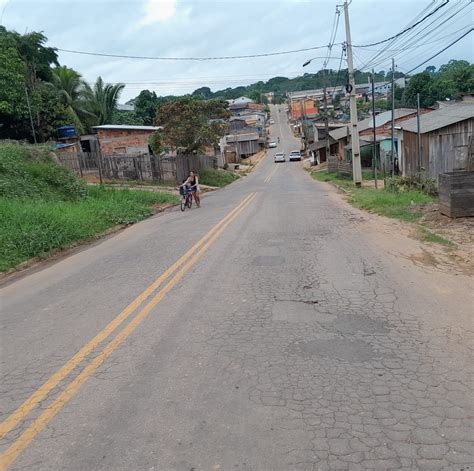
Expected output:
(44, 207)
(394, 204)
(217, 178)
(400, 199)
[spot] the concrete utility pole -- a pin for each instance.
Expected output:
(326, 119)
(392, 155)
(356, 165)
(374, 146)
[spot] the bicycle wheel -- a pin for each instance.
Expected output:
(183, 204)
(190, 202)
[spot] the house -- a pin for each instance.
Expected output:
(245, 144)
(446, 140)
(303, 108)
(116, 139)
(125, 108)
(341, 136)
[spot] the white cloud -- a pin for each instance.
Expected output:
(158, 11)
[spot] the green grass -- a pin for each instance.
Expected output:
(392, 205)
(217, 178)
(33, 228)
(429, 236)
(44, 207)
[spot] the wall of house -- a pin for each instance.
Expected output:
(302, 108)
(117, 141)
(443, 150)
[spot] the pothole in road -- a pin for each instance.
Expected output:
(351, 351)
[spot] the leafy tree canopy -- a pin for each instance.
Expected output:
(191, 124)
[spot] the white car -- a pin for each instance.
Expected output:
(295, 155)
(272, 144)
(279, 157)
(272, 121)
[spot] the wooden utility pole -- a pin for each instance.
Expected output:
(356, 164)
(392, 154)
(418, 133)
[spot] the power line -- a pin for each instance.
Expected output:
(415, 39)
(442, 50)
(407, 29)
(248, 56)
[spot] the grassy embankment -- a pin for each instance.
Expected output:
(217, 178)
(397, 205)
(43, 207)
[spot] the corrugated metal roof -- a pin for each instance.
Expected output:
(441, 118)
(125, 107)
(365, 124)
(126, 127)
(252, 136)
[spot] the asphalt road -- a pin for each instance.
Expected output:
(284, 341)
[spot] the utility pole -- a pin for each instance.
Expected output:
(326, 119)
(392, 154)
(356, 165)
(31, 117)
(374, 146)
(418, 133)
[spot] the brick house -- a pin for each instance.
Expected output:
(116, 139)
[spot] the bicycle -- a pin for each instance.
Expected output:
(186, 196)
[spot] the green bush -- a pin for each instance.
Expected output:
(218, 178)
(30, 172)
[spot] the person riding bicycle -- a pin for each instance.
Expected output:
(192, 183)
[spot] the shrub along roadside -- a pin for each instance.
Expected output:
(217, 178)
(33, 228)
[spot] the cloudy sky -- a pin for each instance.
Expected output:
(199, 28)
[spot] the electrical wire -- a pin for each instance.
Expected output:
(247, 56)
(414, 40)
(442, 50)
(407, 29)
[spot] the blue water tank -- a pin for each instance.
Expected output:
(66, 131)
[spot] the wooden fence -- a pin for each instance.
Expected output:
(93, 166)
(341, 167)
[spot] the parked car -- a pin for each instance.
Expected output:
(272, 121)
(295, 155)
(280, 157)
(272, 144)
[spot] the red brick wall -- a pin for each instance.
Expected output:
(117, 141)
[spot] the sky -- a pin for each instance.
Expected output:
(199, 28)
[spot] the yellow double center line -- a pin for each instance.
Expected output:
(180, 267)
(270, 176)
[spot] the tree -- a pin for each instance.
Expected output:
(102, 101)
(422, 84)
(71, 89)
(191, 124)
(128, 117)
(460, 73)
(203, 92)
(146, 105)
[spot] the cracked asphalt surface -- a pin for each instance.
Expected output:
(293, 344)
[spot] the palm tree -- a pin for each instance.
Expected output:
(72, 92)
(102, 100)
